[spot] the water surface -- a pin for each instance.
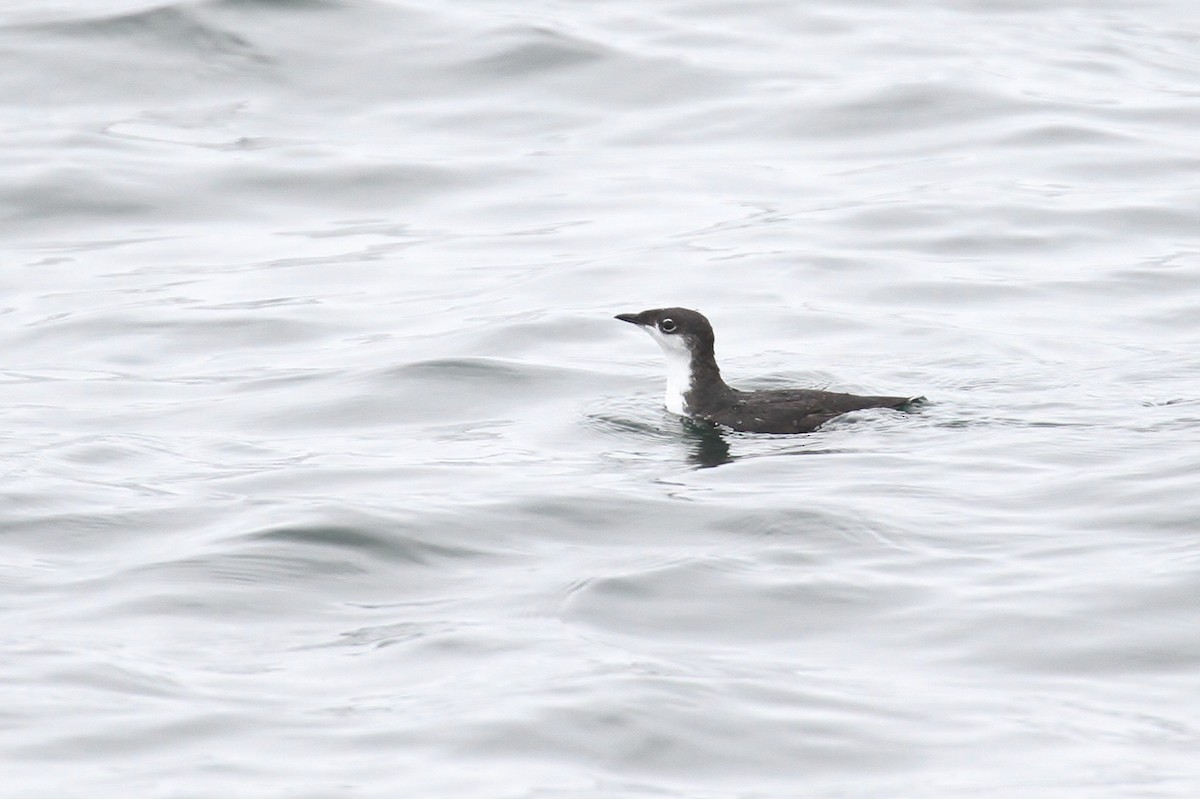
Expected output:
(328, 473)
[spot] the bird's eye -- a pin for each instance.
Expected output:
(667, 325)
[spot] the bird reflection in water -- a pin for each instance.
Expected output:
(707, 446)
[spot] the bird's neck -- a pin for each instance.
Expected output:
(693, 382)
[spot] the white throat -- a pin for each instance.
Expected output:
(679, 369)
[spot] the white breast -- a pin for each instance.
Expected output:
(679, 370)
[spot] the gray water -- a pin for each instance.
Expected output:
(328, 473)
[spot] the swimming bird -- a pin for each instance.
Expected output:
(695, 387)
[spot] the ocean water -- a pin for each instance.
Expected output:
(326, 471)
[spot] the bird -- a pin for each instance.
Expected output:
(695, 388)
